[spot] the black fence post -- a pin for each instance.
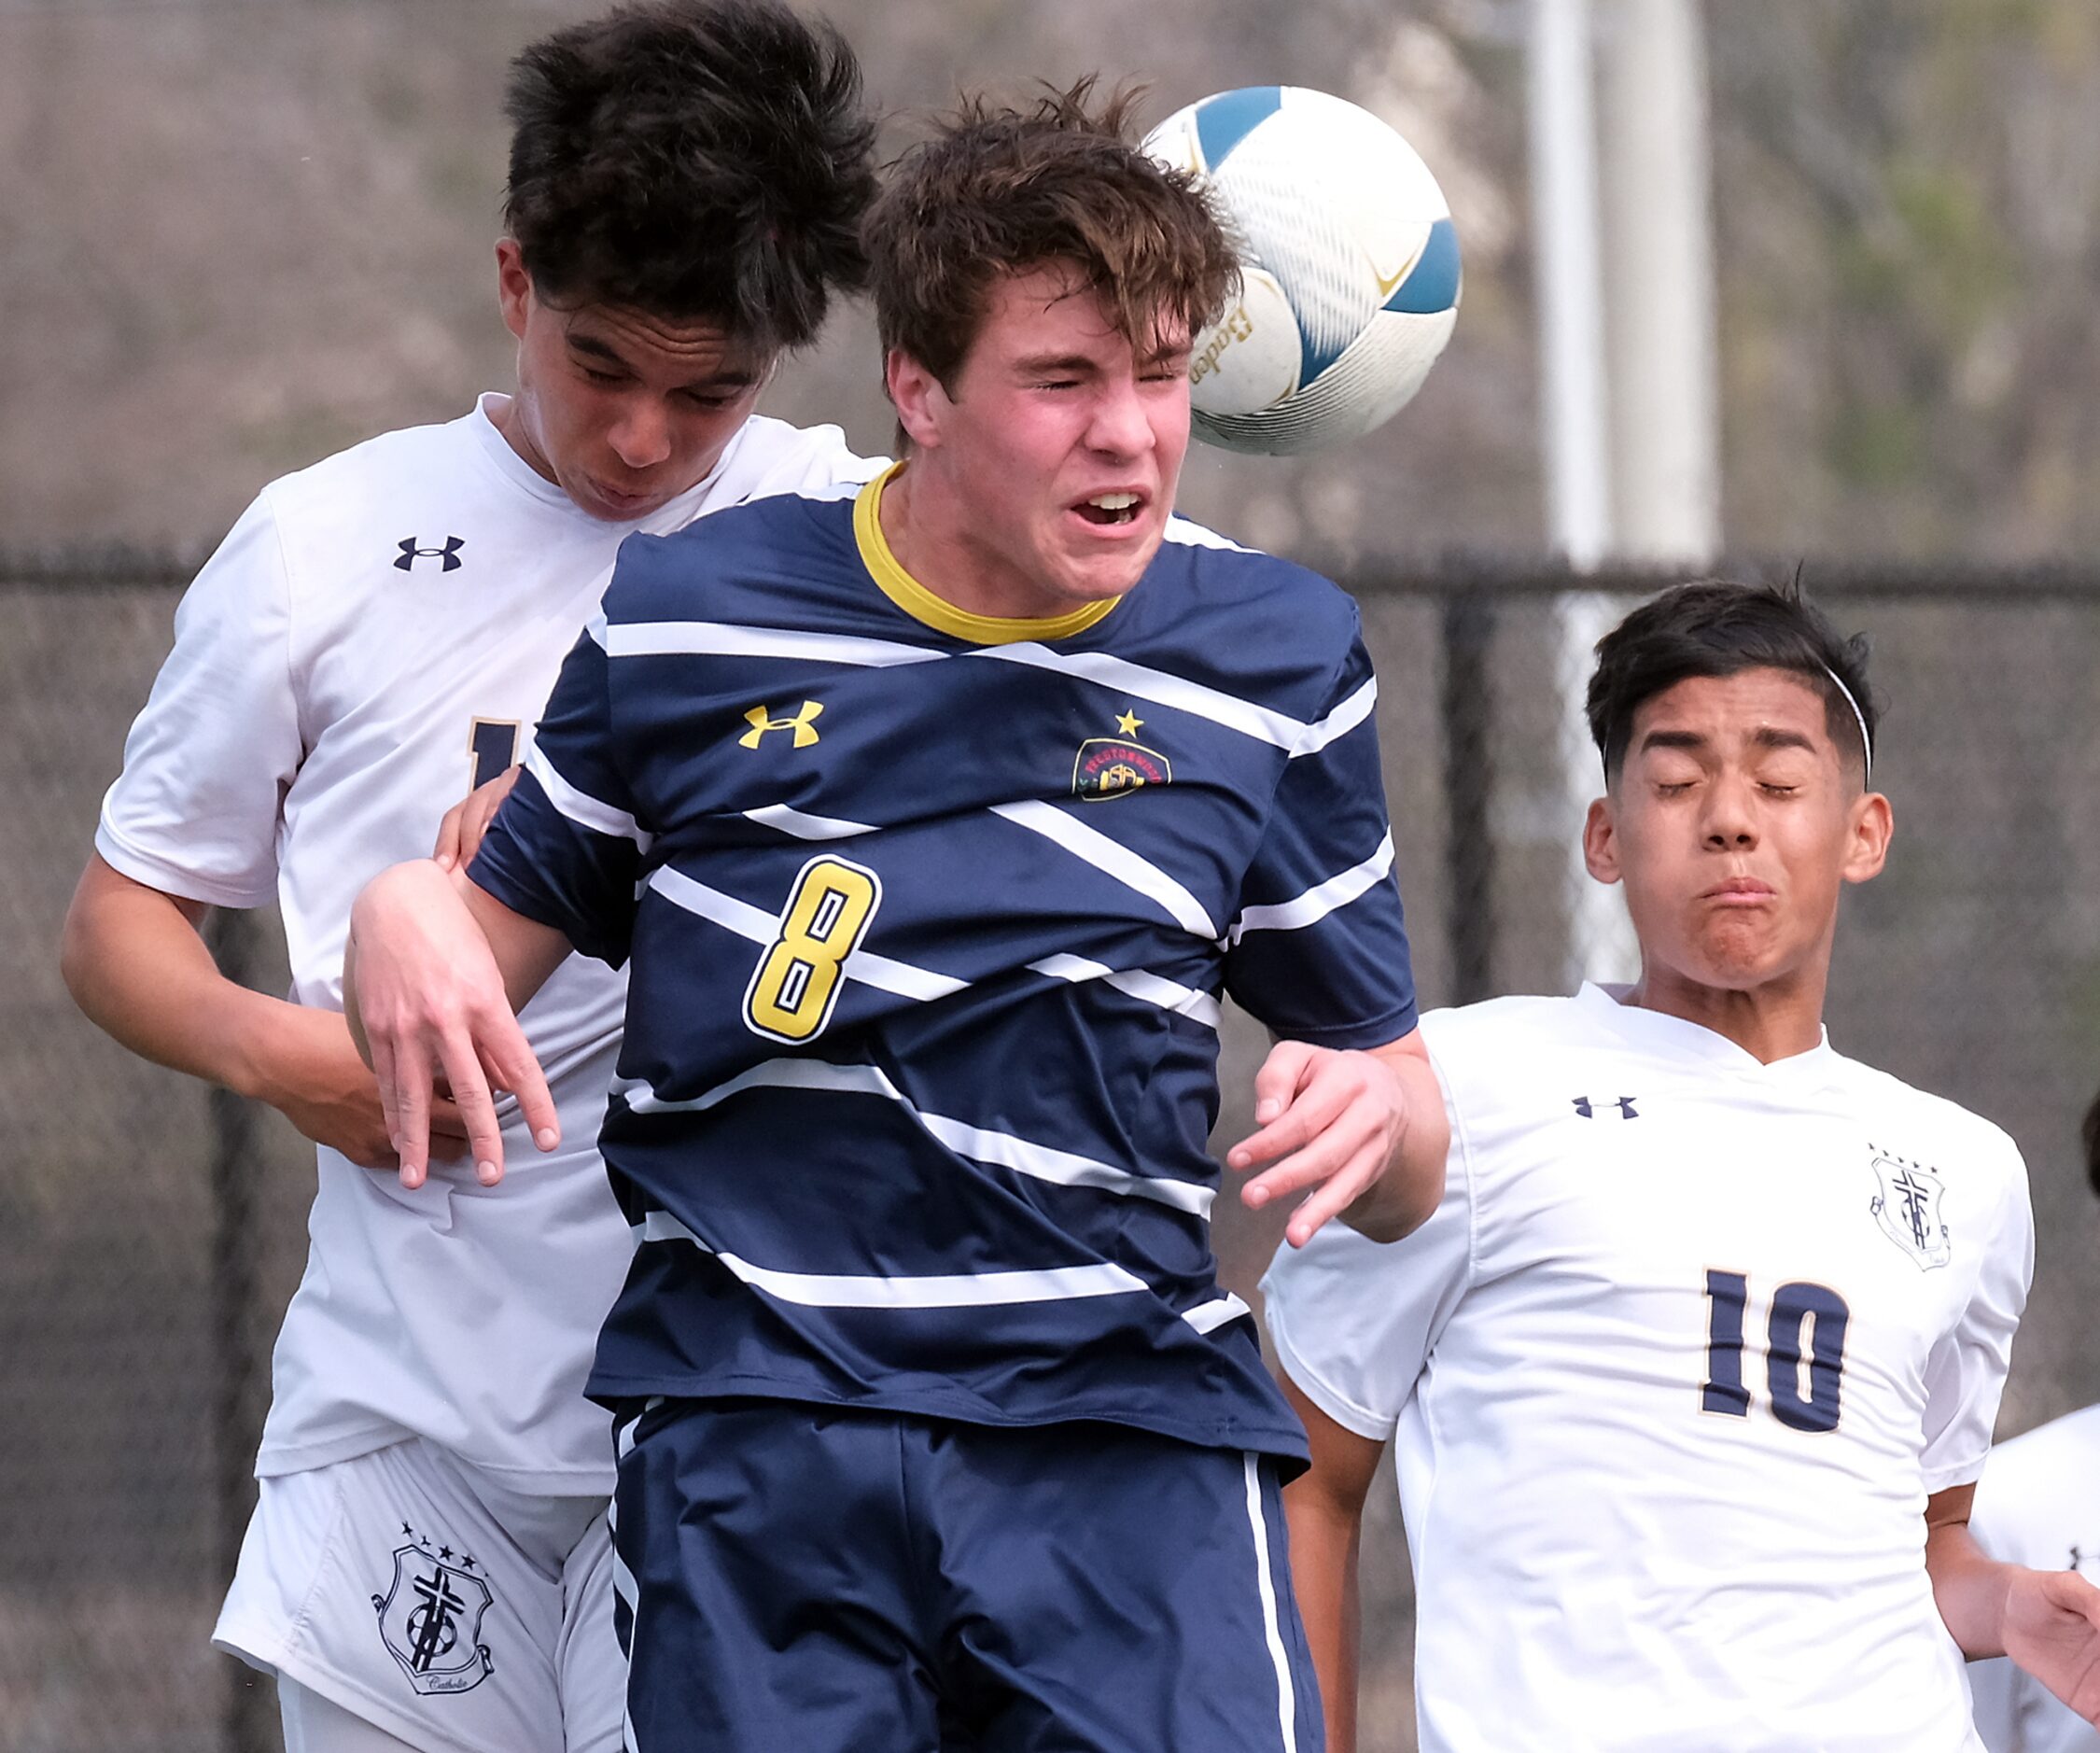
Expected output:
(248, 1720)
(1469, 850)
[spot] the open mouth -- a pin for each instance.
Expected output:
(1108, 509)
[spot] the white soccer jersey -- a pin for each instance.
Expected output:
(2039, 1504)
(376, 634)
(1673, 1369)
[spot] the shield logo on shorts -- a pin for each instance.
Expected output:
(1908, 1209)
(430, 1619)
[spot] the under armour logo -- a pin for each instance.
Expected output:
(447, 556)
(761, 719)
(1587, 1109)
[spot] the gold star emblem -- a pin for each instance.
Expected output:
(1129, 723)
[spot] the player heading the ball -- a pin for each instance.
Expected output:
(1693, 1371)
(922, 1047)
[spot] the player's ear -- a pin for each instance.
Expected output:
(1600, 841)
(513, 285)
(917, 394)
(1871, 824)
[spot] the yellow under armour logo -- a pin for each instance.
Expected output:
(803, 724)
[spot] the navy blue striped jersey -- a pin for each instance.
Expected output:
(930, 917)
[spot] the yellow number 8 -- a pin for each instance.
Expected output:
(796, 985)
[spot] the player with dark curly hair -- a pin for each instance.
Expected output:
(428, 1566)
(938, 819)
(1691, 1377)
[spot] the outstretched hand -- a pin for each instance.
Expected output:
(1365, 1132)
(2052, 1630)
(427, 1001)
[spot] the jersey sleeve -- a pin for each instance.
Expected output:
(565, 848)
(772, 457)
(1353, 1319)
(1319, 949)
(195, 811)
(1965, 1373)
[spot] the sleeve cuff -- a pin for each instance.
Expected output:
(1356, 1036)
(1951, 1474)
(142, 866)
(1339, 1407)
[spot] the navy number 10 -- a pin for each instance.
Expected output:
(1804, 1316)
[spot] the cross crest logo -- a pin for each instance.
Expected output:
(1908, 1209)
(803, 723)
(446, 553)
(430, 1619)
(1115, 766)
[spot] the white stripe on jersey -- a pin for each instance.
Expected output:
(962, 1290)
(760, 927)
(1039, 1162)
(1151, 989)
(1340, 722)
(1120, 676)
(1322, 899)
(1286, 1694)
(805, 826)
(1114, 859)
(1207, 1317)
(581, 807)
(718, 639)
(1190, 534)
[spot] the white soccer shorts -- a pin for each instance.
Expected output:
(415, 1590)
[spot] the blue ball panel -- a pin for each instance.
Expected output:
(1224, 120)
(1433, 285)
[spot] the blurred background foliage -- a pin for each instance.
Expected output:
(238, 234)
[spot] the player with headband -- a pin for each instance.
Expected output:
(1693, 1373)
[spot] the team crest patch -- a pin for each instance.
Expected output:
(1115, 766)
(430, 1617)
(1908, 1209)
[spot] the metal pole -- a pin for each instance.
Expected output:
(1659, 282)
(1577, 430)
(1570, 291)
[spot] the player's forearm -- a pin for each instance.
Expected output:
(1324, 1540)
(133, 961)
(1969, 1588)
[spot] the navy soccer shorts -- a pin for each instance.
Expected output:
(837, 1581)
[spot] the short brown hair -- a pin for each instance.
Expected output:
(999, 191)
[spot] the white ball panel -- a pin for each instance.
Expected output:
(1378, 373)
(1248, 359)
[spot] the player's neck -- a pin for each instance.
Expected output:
(1769, 1022)
(504, 416)
(932, 536)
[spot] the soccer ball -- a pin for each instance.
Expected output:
(1349, 266)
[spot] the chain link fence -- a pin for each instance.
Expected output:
(151, 1230)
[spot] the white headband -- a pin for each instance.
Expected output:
(1866, 741)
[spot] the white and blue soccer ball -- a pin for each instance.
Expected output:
(1349, 266)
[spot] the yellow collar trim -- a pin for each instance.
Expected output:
(942, 616)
